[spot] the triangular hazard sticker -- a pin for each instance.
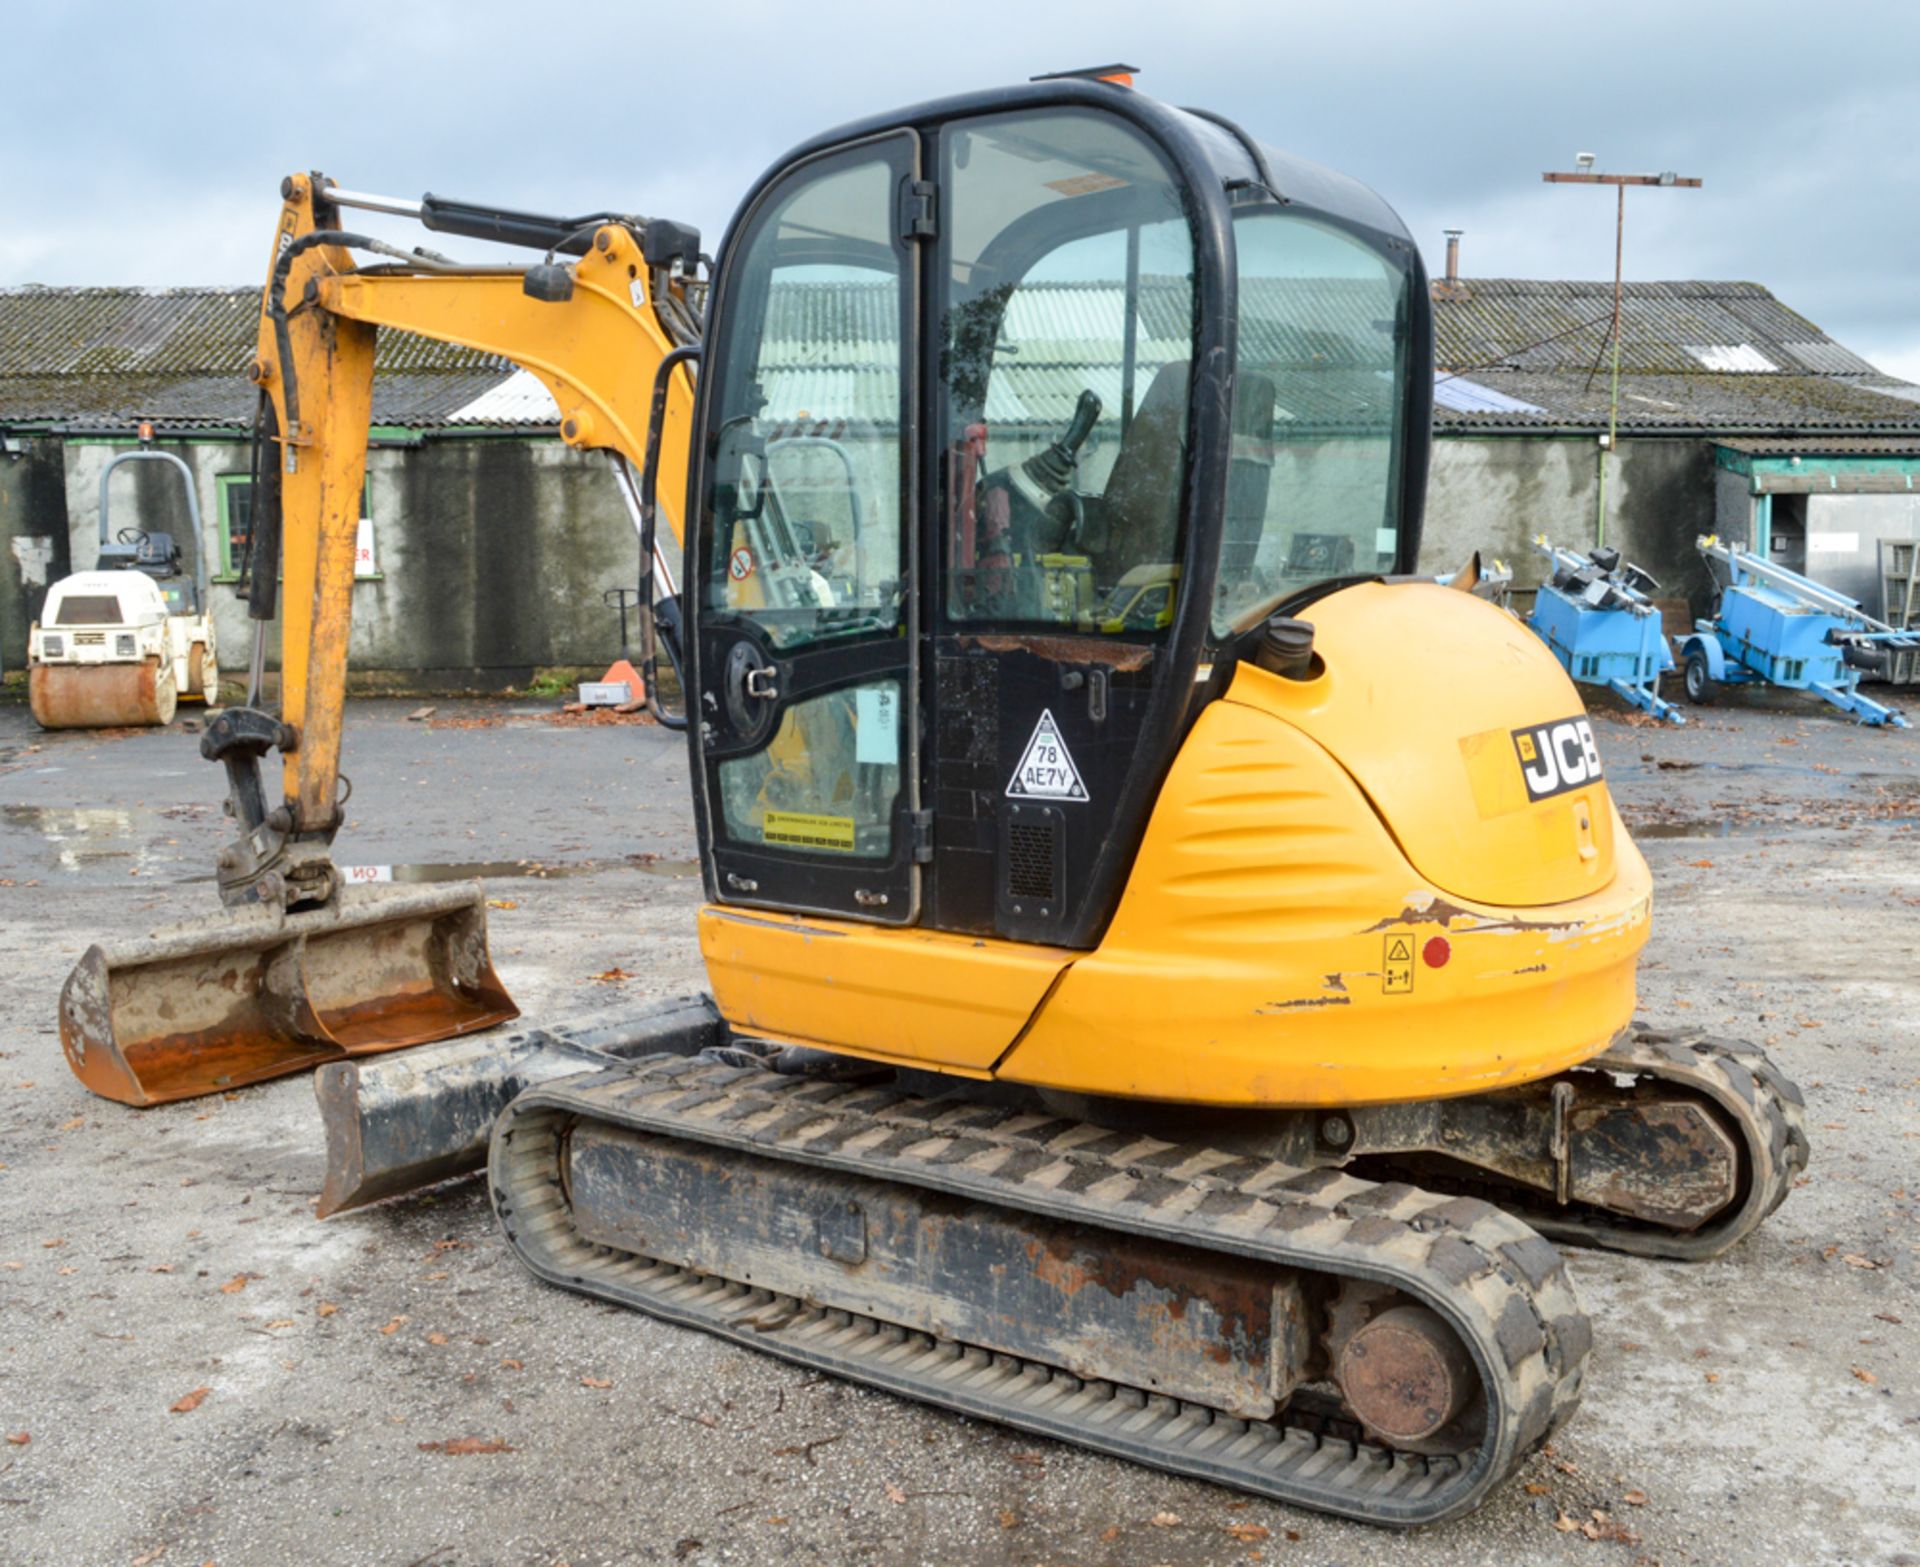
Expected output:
(1399, 949)
(1046, 771)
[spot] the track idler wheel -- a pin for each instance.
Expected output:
(1408, 1379)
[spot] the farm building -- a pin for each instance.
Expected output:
(488, 546)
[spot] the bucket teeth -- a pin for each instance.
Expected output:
(258, 992)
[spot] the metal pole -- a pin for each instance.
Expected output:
(1620, 182)
(1613, 398)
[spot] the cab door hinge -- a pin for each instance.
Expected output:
(920, 823)
(919, 210)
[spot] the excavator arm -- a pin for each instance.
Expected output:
(302, 970)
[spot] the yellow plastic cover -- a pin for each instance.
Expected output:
(1465, 734)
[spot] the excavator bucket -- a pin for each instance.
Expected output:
(259, 992)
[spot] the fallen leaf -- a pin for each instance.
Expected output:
(595, 1382)
(1701, 865)
(1248, 1533)
(1008, 1519)
(1635, 1498)
(437, 1275)
(1713, 1376)
(161, 1267)
(502, 903)
(512, 1365)
(1888, 1316)
(234, 1285)
(1853, 1259)
(187, 1404)
(612, 976)
(64, 1272)
(894, 1493)
(1164, 1520)
(326, 1308)
(58, 1240)
(19, 1438)
(436, 1338)
(1535, 1488)
(154, 1555)
(74, 1125)
(1109, 1534)
(1033, 1459)
(461, 1446)
(280, 1322)
(394, 1326)
(1864, 1375)
(1565, 1524)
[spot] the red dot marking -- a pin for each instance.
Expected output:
(1437, 950)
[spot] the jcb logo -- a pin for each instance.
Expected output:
(1557, 757)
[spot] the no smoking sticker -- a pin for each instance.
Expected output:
(740, 564)
(1397, 964)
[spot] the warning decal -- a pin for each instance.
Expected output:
(740, 564)
(808, 830)
(1397, 966)
(1046, 771)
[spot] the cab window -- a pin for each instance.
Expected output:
(1067, 344)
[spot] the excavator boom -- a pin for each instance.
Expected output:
(299, 970)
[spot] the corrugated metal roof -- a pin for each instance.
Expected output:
(1533, 350)
(1542, 324)
(1823, 446)
(1713, 355)
(1470, 397)
(86, 356)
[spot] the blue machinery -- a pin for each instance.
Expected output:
(1596, 616)
(1778, 627)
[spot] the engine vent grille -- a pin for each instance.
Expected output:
(1030, 860)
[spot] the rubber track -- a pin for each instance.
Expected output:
(1753, 1098)
(1501, 1286)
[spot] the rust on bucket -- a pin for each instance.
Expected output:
(257, 993)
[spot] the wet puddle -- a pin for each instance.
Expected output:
(85, 838)
(1728, 827)
(538, 870)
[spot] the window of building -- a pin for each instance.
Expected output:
(233, 493)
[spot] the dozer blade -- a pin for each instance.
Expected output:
(257, 993)
(395, 1126)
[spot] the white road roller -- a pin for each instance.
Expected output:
(122, 644)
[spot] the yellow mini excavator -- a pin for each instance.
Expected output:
(1180, 1031)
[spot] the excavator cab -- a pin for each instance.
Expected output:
(1027, 356)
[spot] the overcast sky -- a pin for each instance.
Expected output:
(144, 144)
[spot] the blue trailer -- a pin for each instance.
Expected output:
(1779, 628)
(1596, 615)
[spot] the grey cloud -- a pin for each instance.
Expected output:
(145, 144)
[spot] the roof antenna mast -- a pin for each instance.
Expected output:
(1584, 175)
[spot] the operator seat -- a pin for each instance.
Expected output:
(1140, 509)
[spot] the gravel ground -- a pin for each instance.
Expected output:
(1761, 1408)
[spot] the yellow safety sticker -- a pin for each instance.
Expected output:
(1397, 966)
(805, 830)
(1498, 787)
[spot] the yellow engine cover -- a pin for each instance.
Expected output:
(1402, 879)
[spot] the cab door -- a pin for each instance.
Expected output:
(803, 561)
